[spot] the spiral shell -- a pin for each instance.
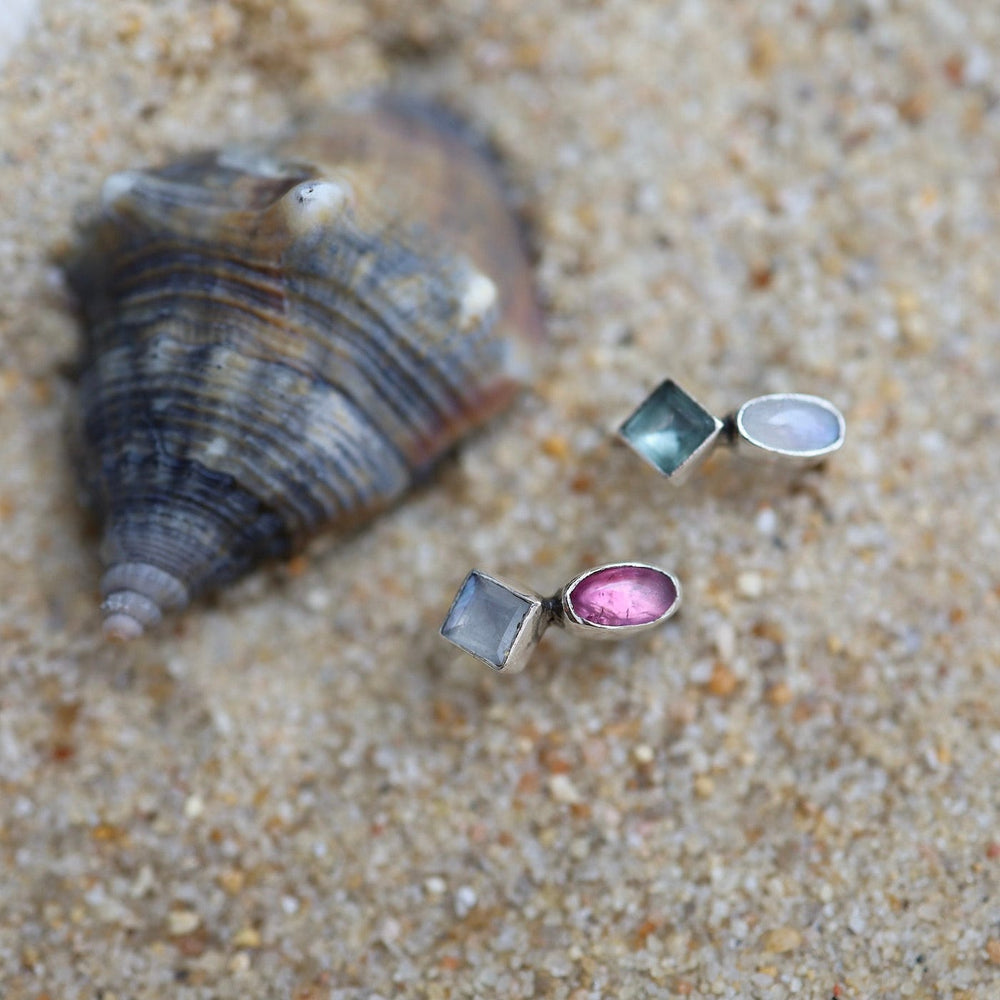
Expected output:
(281, 340)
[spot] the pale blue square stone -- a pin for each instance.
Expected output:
(485, 619)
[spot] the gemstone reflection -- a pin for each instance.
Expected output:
(792, 424)
(623, 595)
(669, 428)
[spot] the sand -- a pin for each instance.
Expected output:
(297, 790)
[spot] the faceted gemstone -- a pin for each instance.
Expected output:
(669, 428)
(792, 424)
(623, 595)
(485, 619)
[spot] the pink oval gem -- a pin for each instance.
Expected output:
(623, 595)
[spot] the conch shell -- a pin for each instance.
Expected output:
(281, 340)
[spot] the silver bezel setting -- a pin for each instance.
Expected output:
(747, 443)
(539, 614)
(518, 651)
(576, 625)
(682, 472)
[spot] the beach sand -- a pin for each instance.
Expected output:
(297, 789)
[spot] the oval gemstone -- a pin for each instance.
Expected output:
(792, 424)
(623, 595)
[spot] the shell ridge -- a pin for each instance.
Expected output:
(185, 407)
(347, 445)
(439, 308)
(388, 323)
(269, 446)
(191, 542)
(180, 537)
(393, 329)
(392, 323)
(284, 339)
(410, 381)
(399, 384)
(182, 273)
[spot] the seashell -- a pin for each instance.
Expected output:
(281, 340)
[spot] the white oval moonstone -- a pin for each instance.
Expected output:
(792, 424)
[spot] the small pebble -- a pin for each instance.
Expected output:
(563, 790)
(465, 900)
(317, 600)
(232, 881)
(704, 786)
(723, 681)
(780, 940)
(248, 937)
(181, 922)
(750, 585)
(725, 641)
(240, 962)
(435, 885)
(767, 521)
(556, 446)
(779, 694)
(194, 806)
(144, 884)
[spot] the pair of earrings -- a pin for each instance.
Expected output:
(501, 623)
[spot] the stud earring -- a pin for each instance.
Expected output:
(673, 432)
(501, 623)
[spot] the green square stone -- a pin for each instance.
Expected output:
(670, 429)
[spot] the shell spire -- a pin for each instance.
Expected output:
(281, 340)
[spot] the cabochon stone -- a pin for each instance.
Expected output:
(623, 595)
(792, 425)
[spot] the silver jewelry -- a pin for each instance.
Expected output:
(673, 432)
(500, 623)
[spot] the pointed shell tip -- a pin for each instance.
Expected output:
(121, 627)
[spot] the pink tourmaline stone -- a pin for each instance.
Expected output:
(623, 595)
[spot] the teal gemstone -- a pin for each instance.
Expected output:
(485, 619)
(670, 428)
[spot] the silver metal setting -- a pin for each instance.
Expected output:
(673, 433)
(746, 438)
(497, 622)
(574, 623)
(501, 623)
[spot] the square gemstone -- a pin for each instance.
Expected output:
(670, 429)
(492, 621)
